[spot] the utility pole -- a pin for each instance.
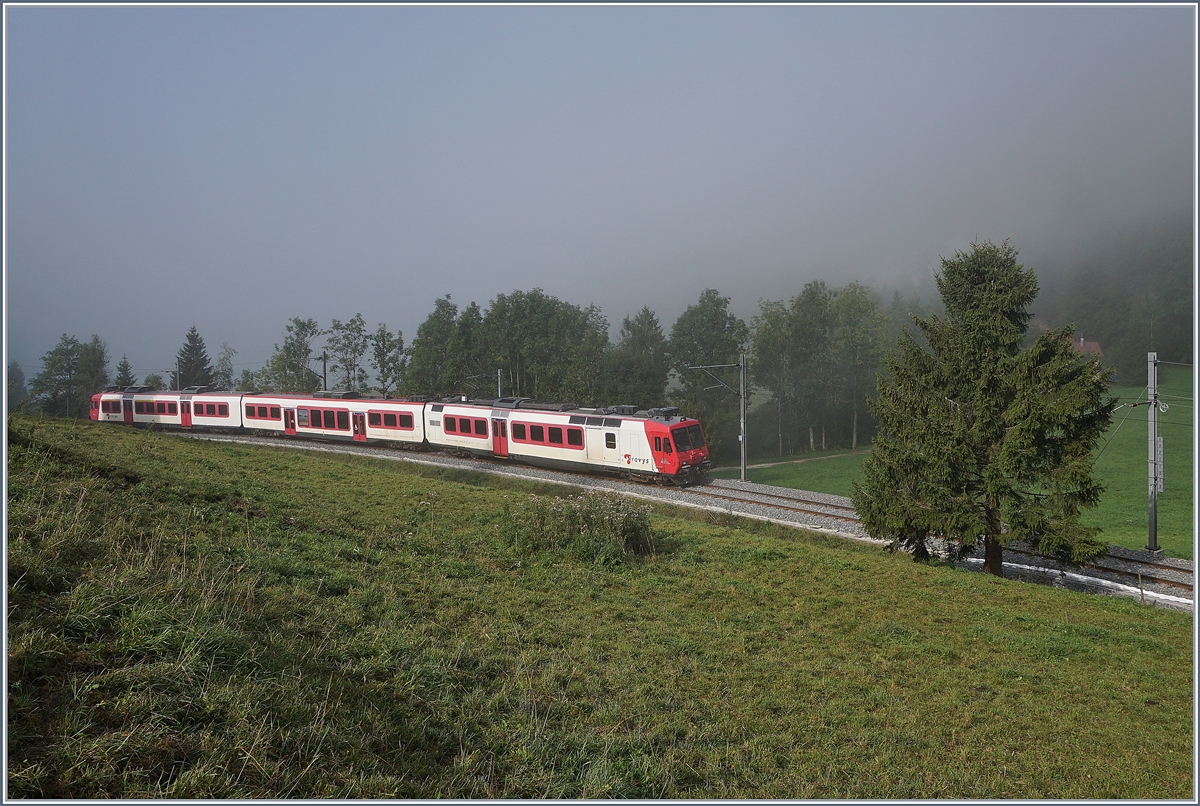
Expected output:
(324, 376)
(1155, 450)
(741, 365)
(499, 384)
(742, 395)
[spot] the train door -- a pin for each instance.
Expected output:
(127, 409)
(359, 419)
(185, 413)
(500, 438)
(289, 422)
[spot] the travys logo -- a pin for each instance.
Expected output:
(628, 458)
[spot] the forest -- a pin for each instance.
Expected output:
(813, 359)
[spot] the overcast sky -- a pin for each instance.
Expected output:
(231, 167)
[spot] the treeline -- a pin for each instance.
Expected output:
(812, 360)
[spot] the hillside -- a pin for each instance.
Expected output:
(191, 619)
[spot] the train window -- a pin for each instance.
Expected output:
(481, 428)
(595, 421)
(680, 435)
(609, 423)
(343, 420)
(274, 412)
(575, 437)
(138, 407)
(330, 418)
(302, 416)
(556, 436)
(210, 409)
(406, 421)
(389, 420)
(262, 412)
(185, 407)
(658, 443)
(464, 425)
(249, 411)
(171, 409)
(373, 418)
(610, 440)
(162, 408)
(518, 430)
(666, 445)
(451, 424)
(536, 433)
(577, 420)
(696, 435)
(503, 428)
(223, 409)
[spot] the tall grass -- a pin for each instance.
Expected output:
(205, 620)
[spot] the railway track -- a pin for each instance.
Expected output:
(1162, 580)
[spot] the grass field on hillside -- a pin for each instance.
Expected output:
(824, 472)
(1122, 466)
(192, 619)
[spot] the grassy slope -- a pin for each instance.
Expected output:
(1121, 465)
(1123, 468)
(823, 472)
(194, 619)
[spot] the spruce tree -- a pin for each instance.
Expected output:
(125, 376)
(192, 362)
(980, 441)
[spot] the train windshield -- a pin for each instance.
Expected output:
(680, 437)
(696, 435)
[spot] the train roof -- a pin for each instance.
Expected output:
(667, 414)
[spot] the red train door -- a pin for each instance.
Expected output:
(500, 438)
(360, 425)
(289, 422)
(127, 410)
(185, 414)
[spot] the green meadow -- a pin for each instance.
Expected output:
(1121, 465)
(192, 619)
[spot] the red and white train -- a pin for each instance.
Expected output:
(655, 445)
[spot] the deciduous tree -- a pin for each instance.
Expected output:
(347, 343)
(859, 328)
(223, 370)
(708, 334)
(17, 393)
(388, 359)
(288, 370)
(982, 442)
(429, 355)
(71, 373)
(638, 366)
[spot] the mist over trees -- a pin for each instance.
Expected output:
(17, 393)
(814, 359)
(1132, 294)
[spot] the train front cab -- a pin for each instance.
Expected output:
(691, 451)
